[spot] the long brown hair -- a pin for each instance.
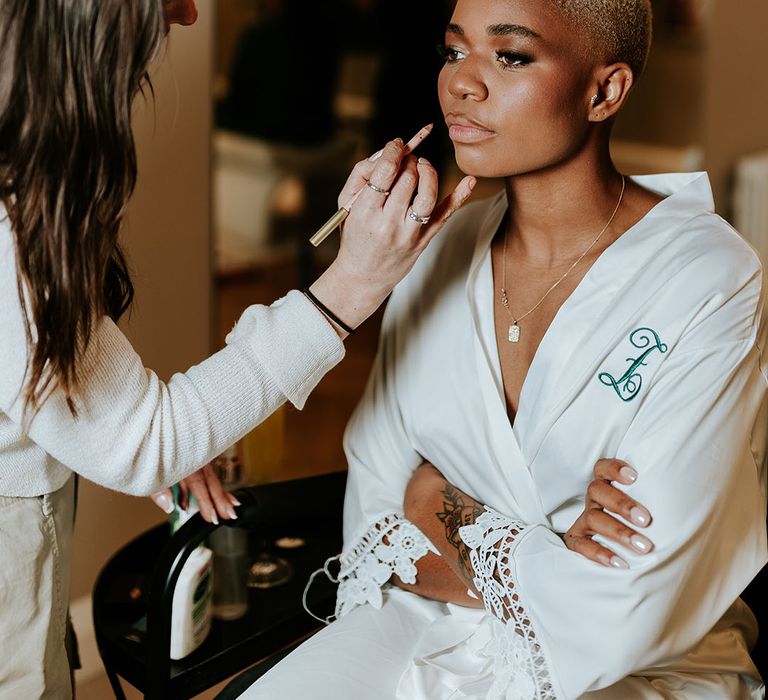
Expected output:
(69, 72)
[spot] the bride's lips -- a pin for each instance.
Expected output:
(462, 129)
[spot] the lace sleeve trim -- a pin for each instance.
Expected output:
(392, 545)
(521, 671)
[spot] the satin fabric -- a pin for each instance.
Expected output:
(390, 653)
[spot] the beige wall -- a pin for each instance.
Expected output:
(736, 99)
(168, 242)
(666, 105)
(710, 91)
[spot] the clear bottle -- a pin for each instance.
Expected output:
(230, 550)
(230, 572)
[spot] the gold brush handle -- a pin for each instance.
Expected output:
(329, 227)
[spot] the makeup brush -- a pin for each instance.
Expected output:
(338, 218)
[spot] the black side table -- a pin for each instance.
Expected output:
(133, 593)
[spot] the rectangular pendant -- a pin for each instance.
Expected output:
(514, 333)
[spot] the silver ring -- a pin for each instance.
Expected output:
(415, 217)
(377, 189)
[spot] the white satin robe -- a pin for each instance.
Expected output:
(656, 359)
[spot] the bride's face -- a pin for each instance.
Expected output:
(515, 89)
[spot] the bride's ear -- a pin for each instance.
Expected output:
(611, 87)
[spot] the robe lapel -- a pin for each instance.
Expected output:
(517, 485)
(592, 321)
(587, 326)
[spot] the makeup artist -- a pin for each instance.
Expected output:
(74, 395)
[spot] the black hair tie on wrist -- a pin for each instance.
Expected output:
(319, 304)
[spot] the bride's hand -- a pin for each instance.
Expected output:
(382, 239)
(602, 503)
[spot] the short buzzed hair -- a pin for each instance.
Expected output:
(620, 29)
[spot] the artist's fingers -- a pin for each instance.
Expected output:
(590, 549)
(183, 494)
(357, 178)
(598, 522)
(385, 172)
(163, 500)
(426, 194)
(448, 207)
(402, 190)
(364, 169)
(219, 496)
(199, 489)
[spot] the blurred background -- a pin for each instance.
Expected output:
(261, 110)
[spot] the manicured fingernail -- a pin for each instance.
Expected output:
(231, 513)
(640, 516)
(399, 141)
(165, 503)
(376, 155)
(215, 518)
(423, 161)
(629, 474)
(235, 502)
(641, 544)
(618, 563)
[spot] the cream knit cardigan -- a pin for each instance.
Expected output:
(135, 433)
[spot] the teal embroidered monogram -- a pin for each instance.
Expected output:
(629, 384)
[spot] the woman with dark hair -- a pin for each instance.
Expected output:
(74, 396)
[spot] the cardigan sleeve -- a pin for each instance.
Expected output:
(135, 433)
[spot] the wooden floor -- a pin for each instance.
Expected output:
(312, 437)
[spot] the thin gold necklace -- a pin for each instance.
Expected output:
(514, 328)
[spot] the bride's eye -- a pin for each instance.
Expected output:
(512, 59)
(449, 54)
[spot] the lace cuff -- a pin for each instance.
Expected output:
(392, 545)
(520, 667)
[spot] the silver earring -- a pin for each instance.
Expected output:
(594, 99)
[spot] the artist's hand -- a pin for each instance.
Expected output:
(603, 500)
(380, 242)
(214, 502)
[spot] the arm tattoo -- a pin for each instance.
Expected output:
(458, 510)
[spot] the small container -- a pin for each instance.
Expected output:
(228, 468)
(230, 567)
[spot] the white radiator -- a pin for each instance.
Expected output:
(750, 201)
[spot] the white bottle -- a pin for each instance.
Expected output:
(191, 609)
